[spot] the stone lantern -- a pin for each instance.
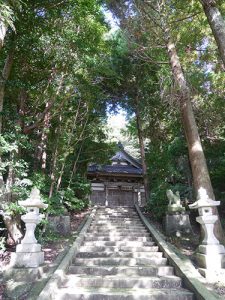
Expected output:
(210, 254)
(28, 254)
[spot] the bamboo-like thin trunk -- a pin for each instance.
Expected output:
(68, 144)
(54, 159)
(44, 139)
(142, 149)
(53, 175)
(75, 165)
(217, 24)
(4, 77)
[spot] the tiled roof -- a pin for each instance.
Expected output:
(122, 169)
(123, 156)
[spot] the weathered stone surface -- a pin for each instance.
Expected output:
(27, 260)
(174, 205)
(211, 254)
(60, 224)
(211, 263)
(119, 262)
(177, 224)
(28, 253)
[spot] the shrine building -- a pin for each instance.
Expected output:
(117, 184)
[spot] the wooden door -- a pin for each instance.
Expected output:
(119, 197)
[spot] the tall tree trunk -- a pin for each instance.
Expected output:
(201, 179)
(41, 154)
(69, 141)
(75, 165)
(3, 30)
(55, 158)
(4, 77)
(14, 229)
(44, 140)
(142, 149)
(12, 222)
(52, 176)
(217, 24)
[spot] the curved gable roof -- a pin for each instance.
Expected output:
(133, 166)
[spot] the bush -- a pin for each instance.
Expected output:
(158, 202)
(72, 203)
(55, 205)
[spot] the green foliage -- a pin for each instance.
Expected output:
(6, 14)
(65, 200)
(71, 202)
(55, 205)
(80, 186)
(158, 202)
(2, 244)
(14, 209)
(48, 235)
(70, 71)
(41, 181)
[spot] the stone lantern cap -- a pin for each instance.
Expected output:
(34, 200)
(204, 203)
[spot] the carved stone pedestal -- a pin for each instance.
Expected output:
(177, 224)
(60, 224)
(27, 256)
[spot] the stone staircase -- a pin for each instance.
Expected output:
(118, 260)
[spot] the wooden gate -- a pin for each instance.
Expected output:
(119, 197)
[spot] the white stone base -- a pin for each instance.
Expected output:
(27, 259)
(211, 249)
(211, 262)
(28, 248)
(213, 276)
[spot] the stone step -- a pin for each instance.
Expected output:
(117, 213)
(112, 227)
(121, 270)
(117, 233)
(123, 294)
(74, 280)
(120, 248)
(119, 238)
(118, 227)
(118, 224)
(118, 220)
(118, 254)
(119, 243)
(118, 217)
(120, 261)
